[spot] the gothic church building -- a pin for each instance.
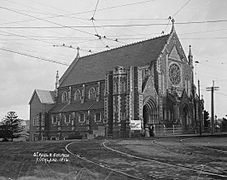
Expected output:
(119, 92)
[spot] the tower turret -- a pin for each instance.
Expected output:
(190, 57)
(56, 84)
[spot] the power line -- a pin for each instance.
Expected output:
(36, 57)
(26, 5)
(175, 14)
(114, 7)
(134, 19)
(71, 27)
(95, 8)
(93, 23)
(44, 20)
(109, 25)
(207, 31)
(202, 38)
(169, 20)
(84, 12)
(182, 7)
(30, 38)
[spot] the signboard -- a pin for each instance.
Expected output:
(135, 125)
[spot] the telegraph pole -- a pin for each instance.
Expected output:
(199, 111)
(212, 89)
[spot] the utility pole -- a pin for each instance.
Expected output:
(212, 89)
(199, 111)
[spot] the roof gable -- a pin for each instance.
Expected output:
(44, 96)
(95, 66)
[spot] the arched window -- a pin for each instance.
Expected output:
(115, 87)
(66, 118)
(36, 120)
(54, 119)
(92, 93)
(98, 117)
(81, 118)
(64, 97)
(77, 95)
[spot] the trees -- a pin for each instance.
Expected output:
(206, 119)
(224, 124)
(11, 126)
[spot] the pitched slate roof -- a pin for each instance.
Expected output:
(45, 96)
(94, 67)
(77, 106)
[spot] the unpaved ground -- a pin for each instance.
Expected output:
(157, 158)
(201, 153)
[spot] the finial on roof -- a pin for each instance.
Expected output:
(173, 21)
(190, 50)
(57, 76)
(78, 52)
(78, 49)
(56, 84)
(190, 57)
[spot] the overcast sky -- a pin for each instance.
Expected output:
(62, 22)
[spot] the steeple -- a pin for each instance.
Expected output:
(190, 57)
(56, 84)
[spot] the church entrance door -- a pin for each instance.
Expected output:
(149, 113)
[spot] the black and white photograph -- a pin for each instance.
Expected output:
(113, 90)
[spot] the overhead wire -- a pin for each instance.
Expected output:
(5, 8)
(57, 23)
(114, 7)
(83, 12)
(93, 23)
(46, 20)
(111, 25)
(173, 16)
(134, 19)
(181, 8)
(30, 38)
(169, 20)
(36, 57)
(106, 8)
(95, 8)
(26, 5)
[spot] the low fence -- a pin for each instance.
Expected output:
(162, 130)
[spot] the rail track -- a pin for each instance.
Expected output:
(152, 160)
(105, 150)
(101, 165)
(183, 141)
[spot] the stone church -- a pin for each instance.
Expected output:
(119, 92)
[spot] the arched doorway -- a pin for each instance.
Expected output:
(150, 113)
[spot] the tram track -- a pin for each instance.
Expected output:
(199, 171)
(195, 154)
(100, 164)
(183, 141)
(190, 153)
(126, 166)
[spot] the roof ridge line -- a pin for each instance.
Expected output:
(126, 45)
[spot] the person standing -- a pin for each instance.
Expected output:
(147, 131)
(151, 130)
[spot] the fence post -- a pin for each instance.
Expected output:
(173, 129)
(154, 130)
(164, 129)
